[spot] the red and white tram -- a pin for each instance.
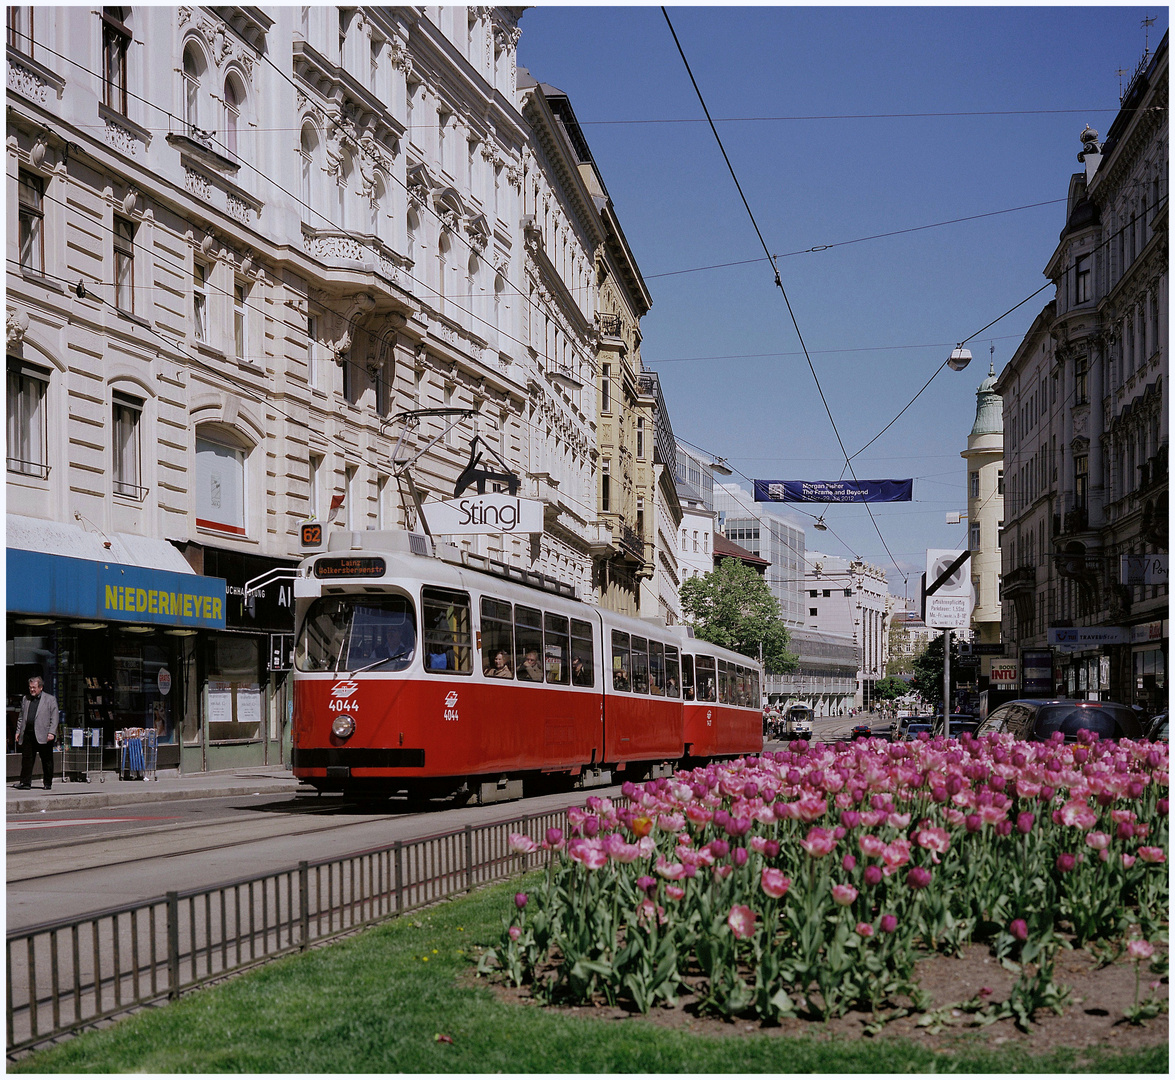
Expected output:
(435, 675)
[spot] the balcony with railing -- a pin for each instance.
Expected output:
(610, 325)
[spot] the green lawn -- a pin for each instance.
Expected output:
(375, 1003)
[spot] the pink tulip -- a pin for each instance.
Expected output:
(888, 924)
(1078, 814)
(520, 900)
(1140, 950)
(933, 839)
(819, 842)
(1018, 928)
(588, 852)
(844, 894)
(848, 862)
(515, 933)
(1097, 840)
(646, 884)
(1024, 822)
(1066, 862)
(555, 837)
(723, 872)
(741, 921)
(1151, 854)
(864, 929)
(871, 846)
(668, 870)
(674, 892)
(872, 875)
(1127, 860)
(521, 844)
(773, 882)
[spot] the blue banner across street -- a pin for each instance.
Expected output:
(834, 491)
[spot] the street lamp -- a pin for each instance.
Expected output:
(959, 359)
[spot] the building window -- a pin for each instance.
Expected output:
(200, 301)
(1080, 479)
(31, 198)
(1081, 380)
(312, 351)
(191, 77)
(813, 593)
(381, 504)
(999, 535)
(315, 485)
(116, 40)
(220, 487)
(449, 422)
(975, 535)
(813, 612)
(606, 388)
(999, 482)
(640, 440)
(20, 29)
(973, 485)
(27, 386)
(124, 264)
(1083, 278)
(695, 540)
(606, 486)
(684, 538)
(126, 412)
(309, 142)
(383, 390)
(351, 496)
(241, 319)
(705, 543)
(233, 99)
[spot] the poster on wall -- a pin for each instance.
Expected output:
(248, 705)
(220, 702)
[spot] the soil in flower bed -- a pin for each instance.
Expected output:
(1092, 1017)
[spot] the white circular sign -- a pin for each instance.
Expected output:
(164, 681)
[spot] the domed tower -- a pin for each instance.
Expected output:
(985, 507)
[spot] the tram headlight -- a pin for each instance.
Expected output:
(342, 727)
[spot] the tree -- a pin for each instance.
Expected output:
(928, 670)
(733, 607)
(889, 688)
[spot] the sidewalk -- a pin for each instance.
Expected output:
(64, 795)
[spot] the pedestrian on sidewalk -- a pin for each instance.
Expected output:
(36, 731)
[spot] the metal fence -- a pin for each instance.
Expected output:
(66, 975)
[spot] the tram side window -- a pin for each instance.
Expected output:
(657, 668)
(557, 649)
(640, 665)
(705, 678)
(743, 693)
(723, 682)
(583, 661)
(687, 676)
(528, 643)
(497, 639)
(672, 672)
(620, 661)
(448, 638)
(756, 697)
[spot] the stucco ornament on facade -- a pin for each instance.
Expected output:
(16, 326)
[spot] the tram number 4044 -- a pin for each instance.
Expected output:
(350, 705)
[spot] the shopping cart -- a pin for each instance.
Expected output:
(138, 753)
(81, 753)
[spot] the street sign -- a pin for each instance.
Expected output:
(949, 594)
(1144, 569)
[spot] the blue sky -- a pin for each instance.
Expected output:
(817, 108)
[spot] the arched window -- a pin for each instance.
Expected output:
(413, 233)
(234, 98)
(221, 490)
(346, 167)
(378, 194)
(443, 247)
(307, 153)
(192, 74)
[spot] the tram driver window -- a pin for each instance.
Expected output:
(448, 639)
(706, 684)
(583, 662)
(620, 661)
(351, 633)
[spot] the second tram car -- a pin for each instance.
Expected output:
(454, 674)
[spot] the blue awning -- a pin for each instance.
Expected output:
(62, 587)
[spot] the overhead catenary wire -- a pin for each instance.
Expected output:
(778, 281)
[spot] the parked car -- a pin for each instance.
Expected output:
(1157, 730)
(1037, 719)
(914, 729)
(861, 731)
(960, 722)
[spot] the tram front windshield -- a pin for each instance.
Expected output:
(357, 633)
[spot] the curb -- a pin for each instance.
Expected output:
(151, 792)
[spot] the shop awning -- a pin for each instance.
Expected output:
(76, 542)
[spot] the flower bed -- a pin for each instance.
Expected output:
(810, 881)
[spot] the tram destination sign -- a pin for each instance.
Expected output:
(350, 566)
(491, 513)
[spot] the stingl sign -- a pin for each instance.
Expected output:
(494, 513)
